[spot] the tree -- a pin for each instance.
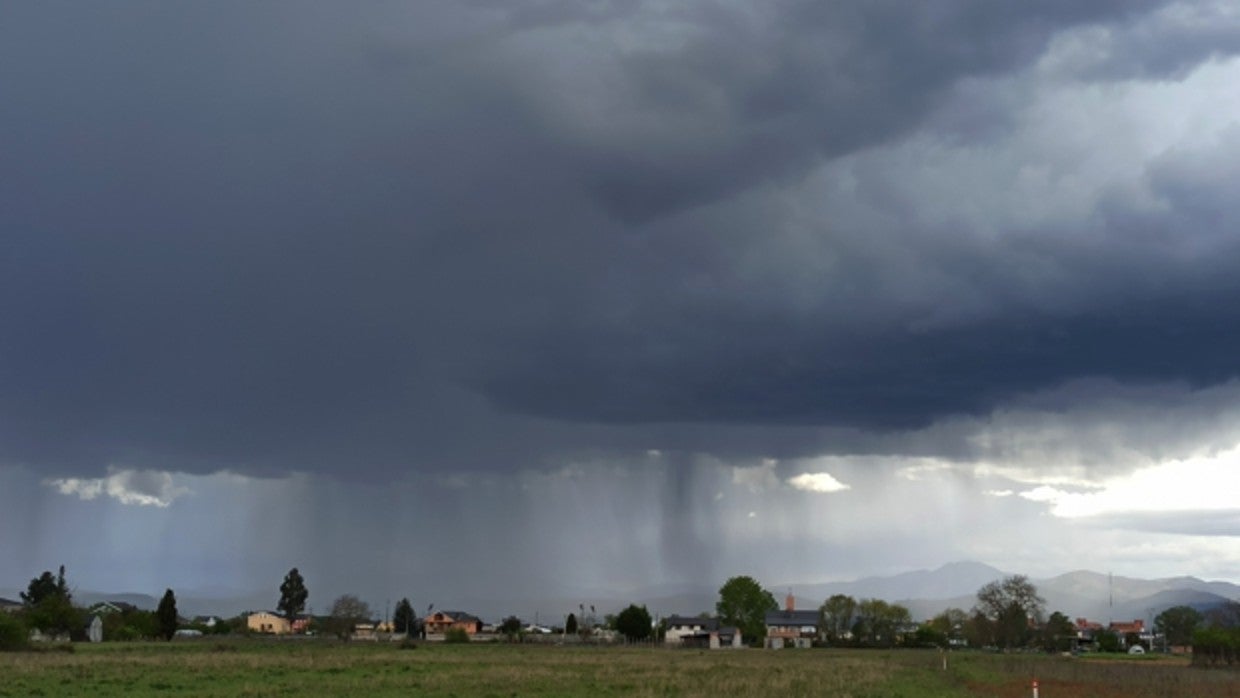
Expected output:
(13, 633)
(1224, 615)
(1059, 634)
(166, 614)
(511, 626)
(744, 603)
(950, 624)
(55, 615)
(1011, 604)
(404, 618)
(837, 616)
(293, 595)
(880, 623)
(634, 623)
(347, 611)
(49, 605)
(1177, 624)
(131, 624)
(979, 630)
(570, 625)
(1012, 627)
(46, 586)
(1107, 641)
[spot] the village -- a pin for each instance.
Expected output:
(1008, 617)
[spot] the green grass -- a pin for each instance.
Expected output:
(247, 667)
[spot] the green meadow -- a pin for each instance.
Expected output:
(248, 667)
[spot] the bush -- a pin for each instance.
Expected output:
(456, 635)
(1216, 647)
(408, 644)
(12, 633)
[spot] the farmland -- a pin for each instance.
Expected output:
(245, 667)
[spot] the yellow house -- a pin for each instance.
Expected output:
(268, 622)
(442, 621)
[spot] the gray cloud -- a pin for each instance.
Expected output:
(476, 236)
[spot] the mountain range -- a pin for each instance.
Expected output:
(1078, 594)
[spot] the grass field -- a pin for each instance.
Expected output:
(308, 668)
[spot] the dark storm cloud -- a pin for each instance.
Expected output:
(442, 234)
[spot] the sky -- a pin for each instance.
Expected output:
(525, 297)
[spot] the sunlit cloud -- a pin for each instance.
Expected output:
(133, 487)
(1198, 484)
(817, 482)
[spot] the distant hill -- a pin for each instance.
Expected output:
(1104, 597)
(1082, 593)
(949, 581)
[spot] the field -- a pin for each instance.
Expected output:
(274, 668)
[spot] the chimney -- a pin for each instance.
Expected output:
(790, 602)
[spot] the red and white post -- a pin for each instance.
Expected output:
(1035, 688)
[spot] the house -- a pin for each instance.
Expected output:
(1131, 634)
(440, 622)
(268, 622)
(1086, 633)
(790, 627)
(10, 606)
(204, 621)
(704, 633)
(679, 627)
(104, 608)
(1086, 629)
(727, 637)
(365, 631)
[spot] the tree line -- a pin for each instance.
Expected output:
(1008, 614)
(48, 609)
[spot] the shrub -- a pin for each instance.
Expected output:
(456, 635)
(12, 633)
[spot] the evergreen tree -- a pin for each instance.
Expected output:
(166, 615)
(570, 625)
(293, 595)
(404, 617)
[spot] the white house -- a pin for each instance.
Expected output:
(683, 631)
(679, 627)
